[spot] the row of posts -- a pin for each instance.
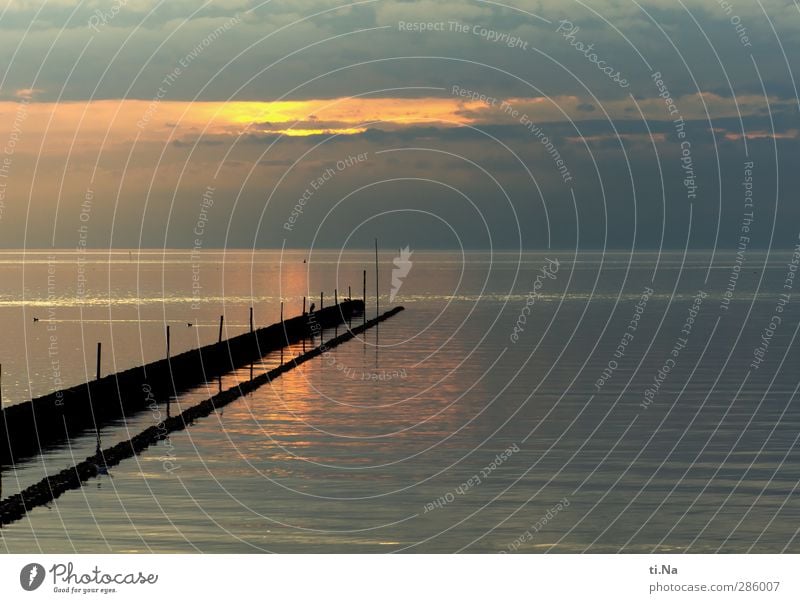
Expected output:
(252, 328)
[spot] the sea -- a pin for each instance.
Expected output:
(559, 401)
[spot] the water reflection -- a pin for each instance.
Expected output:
(399, 442)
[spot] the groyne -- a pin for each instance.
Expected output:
(30, 427)
(51, 487)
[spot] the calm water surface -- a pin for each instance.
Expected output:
(443, 430)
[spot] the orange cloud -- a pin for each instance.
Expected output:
(657, 137)
(110, 122)
(88, 124)
(27, 93)
(399, 111)
(761, 134)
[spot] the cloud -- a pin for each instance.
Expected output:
(149, 109)
(792, 134)
(27, 93)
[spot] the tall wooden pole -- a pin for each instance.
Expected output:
(167, 342)
(364, 296)
(377, 298)
(221, 320)
(336, 305)
(251, 319)
(99, 353)
(321, 300)
(283, 334)
(304, 305)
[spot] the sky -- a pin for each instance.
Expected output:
(436, 124)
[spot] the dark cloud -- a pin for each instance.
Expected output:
(628, 189)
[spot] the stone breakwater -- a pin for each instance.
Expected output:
(37, 424)
(51, 487)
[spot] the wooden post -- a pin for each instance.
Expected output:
(349, 292)
(304, 328)
(283, 333)
(221, 320)
(251, 319)
(377, 297)
(167, 342)
(335, 297)
(364, 297)
(321, 305)
(99, 353)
